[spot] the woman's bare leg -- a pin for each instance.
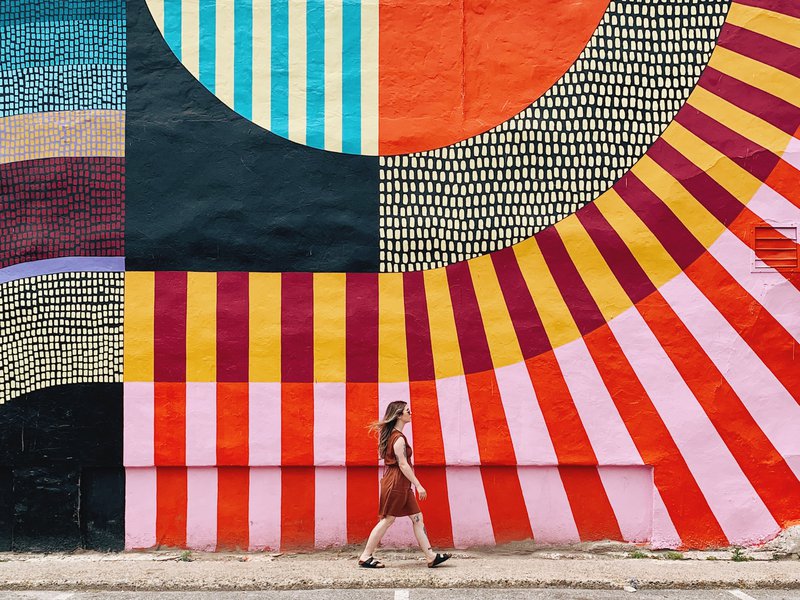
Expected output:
(422, 536)
(376, 535)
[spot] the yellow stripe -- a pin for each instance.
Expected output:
(62, 133)
(722, 169)
(157, 10)
(771, 24)
(742, 122)
(190, 36)
(262, 56)
(497, 324)
(604, 287)
(224, 52)
(265, 327)
(297, 70)
(692, 214)
(645, 247)
(774, 81)
(556, 318)
(333, 75)
(392, 357)
(138, 329)
(201, 327)
(329, 327)
(369, 77)
(444, 339)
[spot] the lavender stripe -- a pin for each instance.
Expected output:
(66, 264)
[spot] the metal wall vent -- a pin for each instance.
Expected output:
(775, 247)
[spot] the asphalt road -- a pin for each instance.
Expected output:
(418, 594)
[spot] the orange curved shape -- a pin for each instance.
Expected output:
(450, 69)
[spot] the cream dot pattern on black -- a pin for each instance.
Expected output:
(498, 188)
(59, 329)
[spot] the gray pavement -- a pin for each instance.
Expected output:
(418, 594)
(491, 573)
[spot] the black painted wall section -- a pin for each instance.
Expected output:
(62, 483)
(207, 190)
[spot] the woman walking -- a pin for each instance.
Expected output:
(397, 498)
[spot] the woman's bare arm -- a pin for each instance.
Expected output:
(406, 469)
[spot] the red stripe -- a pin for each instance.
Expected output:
(169, 431)
(507, 510)
(489, 417)
(362, 327)
(715, 198)
(746, 153)
(233, 326)
(297, 507)
(436, 508)
(687, 507)
(772, 109)
(469, 324)
(361, 410)
(579, 300)
(566, 430)
(428, 443)
(762, 332)
(591, 509)
(620, 259)
(681, 245)
(524, 316)
(297, 327)
(169, 326)
(362, 502)
(785, 179)
(233, 424)
(780, 6)
(771, 477)
(297, 424)
(418, 331)
(760, 47)
(171, 507)
(233, 508)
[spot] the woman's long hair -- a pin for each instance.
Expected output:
(386, 424)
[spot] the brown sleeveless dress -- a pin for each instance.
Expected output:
(397, 499)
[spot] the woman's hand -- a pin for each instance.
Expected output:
(423, 493)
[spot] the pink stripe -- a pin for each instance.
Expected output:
(201, 424)
(745, 520)
(458, 429)
(139, 424)
(330, 507)
(548, 507)
(469, 512)
(140, 508)
(792, 153)
(664, 533)
(768, 287)
(391, 392)
(630, 491)
(329, 423)
(771, 406)
(529, 434)
(201, 508)
(265, 424)
(772, 207)
(607, 433)
(265, 508)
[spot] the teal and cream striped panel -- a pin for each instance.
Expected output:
(306, 70)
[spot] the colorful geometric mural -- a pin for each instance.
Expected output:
(623, 368)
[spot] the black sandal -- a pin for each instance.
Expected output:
(371, 563)
(440, 558)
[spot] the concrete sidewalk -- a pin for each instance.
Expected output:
(507, 567)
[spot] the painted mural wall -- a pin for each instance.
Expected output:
(232, 231)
